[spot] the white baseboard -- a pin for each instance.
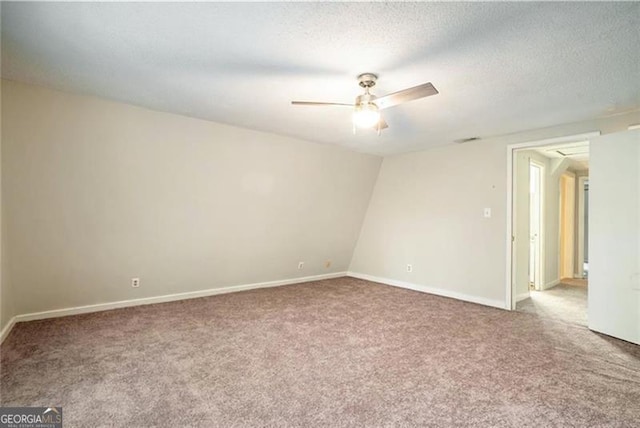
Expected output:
(522, 296)
(431, 290)
(162, 299)
(232, 289)
(551, 284)
(7, 329)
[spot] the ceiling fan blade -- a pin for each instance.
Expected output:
(382, 124)
(420, 91)
(313, 103)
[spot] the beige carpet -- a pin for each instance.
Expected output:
(564, 302)
(332, 353)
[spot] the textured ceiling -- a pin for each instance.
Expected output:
(500, 67)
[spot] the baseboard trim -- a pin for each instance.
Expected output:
(551, 284)
(168, 298)
(7, 329)
(522, 296)
(430, 290)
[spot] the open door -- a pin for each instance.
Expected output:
(614, 235)
(521, 237)
(567, 225)
(536, 171)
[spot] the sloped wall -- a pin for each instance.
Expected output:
(97, 192)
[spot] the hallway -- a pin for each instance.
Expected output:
(566, 301)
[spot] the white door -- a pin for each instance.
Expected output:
(520, 227)
(567, 224)
(535, 222)
(614, 235)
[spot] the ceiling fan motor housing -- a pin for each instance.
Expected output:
(367, 80)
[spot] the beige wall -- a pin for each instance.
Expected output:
(427, 210)
(6, 306)
(98, 192)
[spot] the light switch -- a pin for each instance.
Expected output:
(487, 212)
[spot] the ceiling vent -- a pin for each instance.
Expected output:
(466, 140)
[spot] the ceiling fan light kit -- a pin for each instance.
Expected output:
(366, 115)
(366, 109)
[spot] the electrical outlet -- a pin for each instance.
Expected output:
(135, 282)
(300, 265)
(327, 264)
(409, 268)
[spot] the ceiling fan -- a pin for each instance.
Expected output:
(366, 109)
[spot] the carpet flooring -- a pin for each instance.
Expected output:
(564, 302)
(334, 353)
(575, 281)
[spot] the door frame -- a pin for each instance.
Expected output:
(510, 303)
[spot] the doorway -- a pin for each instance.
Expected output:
(545, 236)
